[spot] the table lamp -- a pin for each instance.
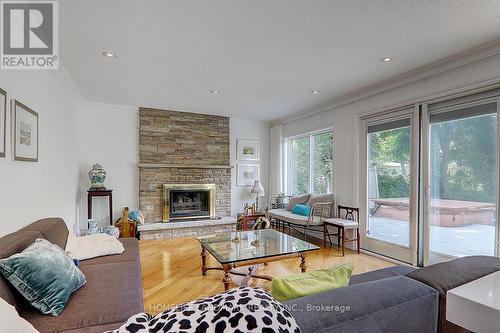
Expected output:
(258, 190)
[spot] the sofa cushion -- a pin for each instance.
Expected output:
(397, 304)
(44, 274)
(320, 198)
(287, 216)
(301, 199)
(131, 253)
(112, 294)
(310, 283)
(53, 229)
(380, 274)
(93, 246)
(9, 245)
(448, 275)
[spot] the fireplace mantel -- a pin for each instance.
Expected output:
(182, 166)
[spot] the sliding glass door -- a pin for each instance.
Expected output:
(430, 180)
(461, 180)
(389, 182)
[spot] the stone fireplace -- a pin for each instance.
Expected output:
(188, 202)
(178, 149)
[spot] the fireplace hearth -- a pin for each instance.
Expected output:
(188, 201)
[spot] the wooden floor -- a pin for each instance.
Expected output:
(171, 270)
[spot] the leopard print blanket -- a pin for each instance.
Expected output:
(239, 310)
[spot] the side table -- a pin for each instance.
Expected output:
(249, 218)
(100, 193)
(475, 306)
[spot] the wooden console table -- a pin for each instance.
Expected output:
(100, 193)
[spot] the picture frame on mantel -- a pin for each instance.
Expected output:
(248, 150)
(3, 121)
(247, 174)
(25, 125)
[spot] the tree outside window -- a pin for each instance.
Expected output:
(311, 164)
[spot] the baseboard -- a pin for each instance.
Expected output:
(389, 259)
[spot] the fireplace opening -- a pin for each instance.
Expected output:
(188, 201)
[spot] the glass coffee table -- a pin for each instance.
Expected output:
(243, 248)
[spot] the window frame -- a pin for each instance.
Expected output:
(288, 157)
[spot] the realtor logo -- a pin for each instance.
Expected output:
(29, 33)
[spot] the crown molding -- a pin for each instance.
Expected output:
(114, 106)
(471, 56)
(67, 82)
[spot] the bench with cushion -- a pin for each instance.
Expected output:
(322, 207)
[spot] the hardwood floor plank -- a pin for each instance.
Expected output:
(171, 270)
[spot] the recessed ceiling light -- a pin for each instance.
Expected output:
(214, 91)
(386, 59)
(315, 92)
(109, 54)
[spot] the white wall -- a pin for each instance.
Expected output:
(109, 135)
(248, 130)
(48, 188)
(345, 119)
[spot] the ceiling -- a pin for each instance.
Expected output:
(264, 56)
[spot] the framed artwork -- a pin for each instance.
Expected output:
(3, 120)
(247, 174)
(248, 150)
(25, 133)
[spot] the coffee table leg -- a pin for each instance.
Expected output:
(227, 277)
(203, 261)
(303, 265)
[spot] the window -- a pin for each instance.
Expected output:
(311, 163)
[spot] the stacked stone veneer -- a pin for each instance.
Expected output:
(182, 148)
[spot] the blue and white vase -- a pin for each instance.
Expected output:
(97, 175)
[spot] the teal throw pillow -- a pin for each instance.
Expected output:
(301, 209)
(44, 274)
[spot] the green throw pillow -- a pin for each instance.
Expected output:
(44, 274)
(310, 283)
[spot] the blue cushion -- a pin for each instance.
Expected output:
(301, 209)
(44, 274)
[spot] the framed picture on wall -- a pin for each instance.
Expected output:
(3, 120)
(247, 174)
(248, 150)
(25, 133)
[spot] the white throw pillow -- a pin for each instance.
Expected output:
(92, 246)
(11, 321)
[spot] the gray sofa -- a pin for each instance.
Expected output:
(112, 294)
(394, 299)
(380, 301)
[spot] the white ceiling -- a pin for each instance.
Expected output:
(264, 56)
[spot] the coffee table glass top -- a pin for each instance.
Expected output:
(247, 245)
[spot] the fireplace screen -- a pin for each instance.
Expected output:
(183, 201)
(189, 203)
